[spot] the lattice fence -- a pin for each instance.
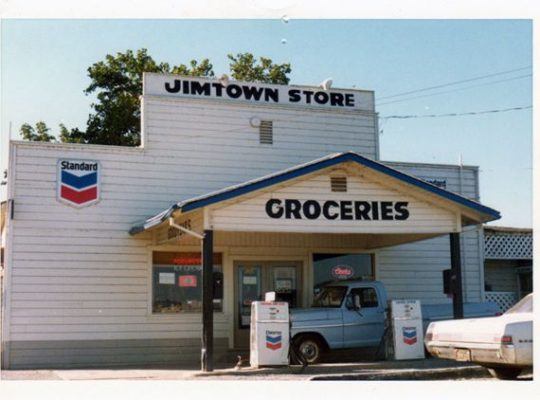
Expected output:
(505, 300)
(508, 245)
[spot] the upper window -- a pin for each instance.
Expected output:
(177, 282)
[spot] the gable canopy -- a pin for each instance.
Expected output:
(378, 200)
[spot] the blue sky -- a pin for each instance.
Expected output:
(44, 62)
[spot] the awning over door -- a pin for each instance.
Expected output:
(342, 193)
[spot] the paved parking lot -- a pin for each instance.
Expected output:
(430, 369)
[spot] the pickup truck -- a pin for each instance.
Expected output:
(352, 314)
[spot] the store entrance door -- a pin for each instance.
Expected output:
(252, 280)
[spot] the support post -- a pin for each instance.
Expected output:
(455, 260)
(207, 349)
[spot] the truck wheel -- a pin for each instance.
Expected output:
(504, 372)
(310, 347)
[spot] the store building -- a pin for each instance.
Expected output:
(102, 268)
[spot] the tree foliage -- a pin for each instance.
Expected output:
(244, 67)
(38, 134)
(117, 85)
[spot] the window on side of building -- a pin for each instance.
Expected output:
(177, 282)
(329, 268)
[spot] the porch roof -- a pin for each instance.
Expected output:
(487, 214)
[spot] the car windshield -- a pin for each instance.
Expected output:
(523, 306)
(330, 296)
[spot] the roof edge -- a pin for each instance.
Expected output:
(326, 162)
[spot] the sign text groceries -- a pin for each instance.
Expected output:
(260, 94)
(337, 210)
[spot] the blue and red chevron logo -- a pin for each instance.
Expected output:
(273, 340)
(409, 335)
(78, 182)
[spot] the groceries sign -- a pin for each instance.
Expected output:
(180, 86)
(78, 182)
(337, 210)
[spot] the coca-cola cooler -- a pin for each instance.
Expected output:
(269, 334)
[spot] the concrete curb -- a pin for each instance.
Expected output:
(412, 374)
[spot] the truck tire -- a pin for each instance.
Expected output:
(505, 373)
(310, 347)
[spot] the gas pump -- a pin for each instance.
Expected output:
(269, 333)
(406, 329)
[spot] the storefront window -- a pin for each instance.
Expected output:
(329, 268)
(177, 282)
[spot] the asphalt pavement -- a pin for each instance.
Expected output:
(429, 369)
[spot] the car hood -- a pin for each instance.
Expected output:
(476, 330)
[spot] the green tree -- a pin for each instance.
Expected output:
(39, 134)
(244, 67)
(117, 84)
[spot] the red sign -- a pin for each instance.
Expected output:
(187, 281)
(187, 260)
(342, 272)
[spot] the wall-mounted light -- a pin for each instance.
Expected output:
(326, 84)
(255, 122)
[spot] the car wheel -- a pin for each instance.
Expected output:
(310, 348)
(504, 372)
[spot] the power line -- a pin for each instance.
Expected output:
(455, 90)
(455, 82)
(456, 114)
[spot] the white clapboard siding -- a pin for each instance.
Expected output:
(467, 185)
(430, 257)
(90, 248)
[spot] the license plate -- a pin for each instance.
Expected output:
(463, 355)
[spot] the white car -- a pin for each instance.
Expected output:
(502, 344)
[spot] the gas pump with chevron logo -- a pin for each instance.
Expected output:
(407, 329)
(269, 335)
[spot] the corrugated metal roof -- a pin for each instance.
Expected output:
(303, 169)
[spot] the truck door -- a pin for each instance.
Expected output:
(364, 327)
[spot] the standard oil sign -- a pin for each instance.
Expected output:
(78, 182)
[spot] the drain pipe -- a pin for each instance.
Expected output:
(207, 338)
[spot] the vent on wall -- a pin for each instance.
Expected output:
(338, 183)
(266, 132)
